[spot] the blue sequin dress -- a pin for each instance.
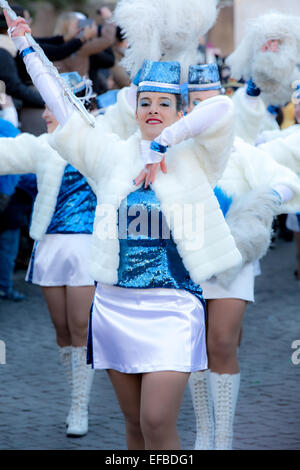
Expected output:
(61, 258)
(153, 319)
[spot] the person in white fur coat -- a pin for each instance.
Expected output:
(284, 146)
(267, 57)
(139, 314)
(61, 251)
(248, 190)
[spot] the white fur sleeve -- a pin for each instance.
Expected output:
(260, 169)
(193, 124)
(18, 155)
(83, 146)
(213, 146)
(250, 112)
(210, 126)
(47, 85)
(285, 150)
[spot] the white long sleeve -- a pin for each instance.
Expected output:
(284, 191)
(47, 85)
(192, 125)
(250, 113)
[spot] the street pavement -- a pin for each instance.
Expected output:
(34, 395)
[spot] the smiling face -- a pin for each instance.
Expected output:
(155, 111)
(50, 120)
(195, 97)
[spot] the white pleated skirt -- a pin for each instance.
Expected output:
(60, 260)
(242, 286)
(147, 330)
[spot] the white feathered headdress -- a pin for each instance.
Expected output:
(163, 30)
(273, 72)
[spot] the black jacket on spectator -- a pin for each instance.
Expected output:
(103, 60)
(15, 87)
(55, 49)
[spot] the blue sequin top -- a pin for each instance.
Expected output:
(75, 207)
(148, 254)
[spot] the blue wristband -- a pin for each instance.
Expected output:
(252, 89)
(156, 147)
(273, 110)
(26, 51)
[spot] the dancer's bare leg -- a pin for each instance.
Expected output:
(56, 301)
(78, 303)
(161, 398)
(225, 318)
(128, 391)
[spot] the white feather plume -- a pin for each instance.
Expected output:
(163, 30)
(272, 72)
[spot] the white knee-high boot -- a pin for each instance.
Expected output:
(82, 379)
(65, 353)
(225, 390)
(199, 385)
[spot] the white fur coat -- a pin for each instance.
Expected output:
(194, 166)
(272, 72)
(248, 178)
(286, 150)
(249, 115)
(29, 154)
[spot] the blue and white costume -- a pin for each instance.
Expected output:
(60, 258)
(62, 243)
(131, 329)
(249, 171)
(283, 146)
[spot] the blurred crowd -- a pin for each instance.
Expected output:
(93, 47)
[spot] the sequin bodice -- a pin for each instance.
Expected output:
(148, 254)
(75, 207)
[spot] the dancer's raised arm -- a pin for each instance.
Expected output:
(210, 126)
(49, 88)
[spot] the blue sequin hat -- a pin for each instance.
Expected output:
(79, 84)
(74, 81)
(204, 77)
(161, 77)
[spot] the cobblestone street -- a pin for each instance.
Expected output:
(34, 395)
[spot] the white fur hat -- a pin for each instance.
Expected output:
(167, 30)
(272, 72)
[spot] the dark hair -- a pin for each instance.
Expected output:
(90, 105)
(179, 101)
(19, 11)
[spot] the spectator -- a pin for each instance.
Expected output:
(9, 235)
(9, 72)
(54, 47)
(69, 26)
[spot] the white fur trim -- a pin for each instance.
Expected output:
(273, 73)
